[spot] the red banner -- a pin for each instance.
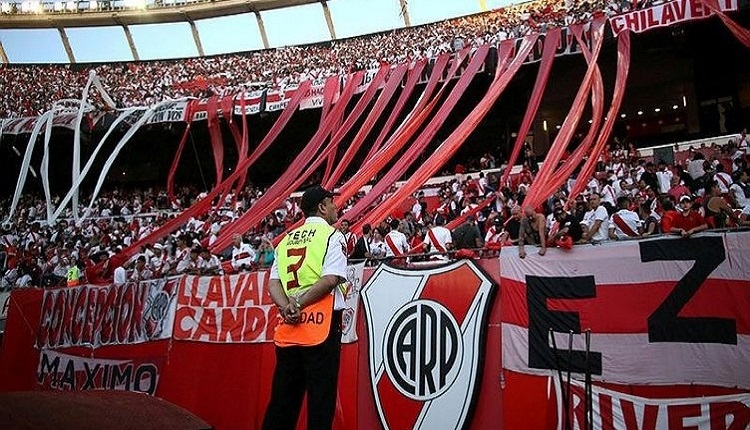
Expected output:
(278, 99)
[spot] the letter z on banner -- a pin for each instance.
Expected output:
(667, 311)
(426, 332)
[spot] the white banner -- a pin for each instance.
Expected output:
(665, 14)
(354, 276)
(253, 101)
(26, 125)
(225, 309)
(65, 372)
(92, 315)
(175, 111)
(664, 311)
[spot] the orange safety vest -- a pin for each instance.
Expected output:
(300, 261)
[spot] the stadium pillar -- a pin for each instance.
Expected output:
(131, 42)
(329, 21)
(692, 107)
(262, 29)
(405, 12)
(541, 137)
(3, 56)
(196, 37)
(66, 44)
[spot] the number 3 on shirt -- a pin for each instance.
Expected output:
(293, 268)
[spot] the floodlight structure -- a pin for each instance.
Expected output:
(63, 14)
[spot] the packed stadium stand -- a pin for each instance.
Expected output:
(515, 174)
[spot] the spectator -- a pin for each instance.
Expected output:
(624, 224)
(160, 261)
(678, 189)
(663, 177)
(739, 191)
(595, 221)
(651, 225)
(141, 271)
(243, 254)
(723, 179)
(568, 225)
(649, 177)
(362, 247)
(439, 239)
(349, 236)
(533, 227)
(378, 248)
(717, 211)
(496, 234)
(689, 221)
(397, 245)
(209, 263)
(467, 235)
(265, 254)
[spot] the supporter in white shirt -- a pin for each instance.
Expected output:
(416, 209)
(742, 142)
(608, 192)
(593, 185)
(739, 191)
(439, 239)
(120, 276)
(663, 178)
(243, 254)
(210, 264)
(695, 166)
(723, 179)
(624, 224)
(395, 241)
(378, 248)
(141, 271)
(159, 263)
(596, 221)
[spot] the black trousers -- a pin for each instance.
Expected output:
(311, 369)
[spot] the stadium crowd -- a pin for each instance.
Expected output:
(30, 89)
(628, 198)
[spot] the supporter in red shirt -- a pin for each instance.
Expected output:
(678, 189)
(668, 215)
(689, 221)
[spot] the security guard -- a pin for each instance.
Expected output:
(305, 283)
(74, 275)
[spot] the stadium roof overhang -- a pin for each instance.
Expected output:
(183, 13)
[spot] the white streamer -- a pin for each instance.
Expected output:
(75, 186)
(110, 161)
(26, 163)
(45, 162)
(77, 141)
(105, 96)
